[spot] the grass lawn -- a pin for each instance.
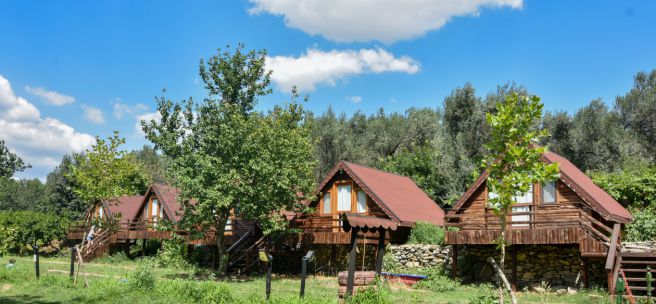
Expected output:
(113, 282)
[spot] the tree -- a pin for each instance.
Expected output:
(514, 164)
(154, 164)
(229, 158)
(105, 172)
(10, 163)
(60, 195)
(23, 194)
(637, 110)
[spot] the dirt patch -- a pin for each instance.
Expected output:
(6, 287)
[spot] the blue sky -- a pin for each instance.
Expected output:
(70, 70)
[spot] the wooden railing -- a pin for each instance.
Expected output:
(318, 223)
(127, 225)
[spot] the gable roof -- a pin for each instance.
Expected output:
(127, 206)
(576, 180)
(168, 197)
(398, 196)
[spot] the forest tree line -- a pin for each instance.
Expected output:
(441, 148)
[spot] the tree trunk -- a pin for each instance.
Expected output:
(221, 221)
(502, 239)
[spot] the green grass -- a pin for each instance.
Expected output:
(110, 282)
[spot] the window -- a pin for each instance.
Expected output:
(344, 198)
(362, 201)
(100, 212)
(526, 198)
(549, 193)
(154, 210)
(326, 203)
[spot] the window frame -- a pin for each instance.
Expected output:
(555, 194)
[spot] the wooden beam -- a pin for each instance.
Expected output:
(586, 276)
(612, 249)
(454, 262)
(380, 253)
(351, 262)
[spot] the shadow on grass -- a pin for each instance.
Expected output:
(25, 299)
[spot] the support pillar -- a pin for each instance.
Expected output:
(514, 269)
(351, 262)
(380, 253)
(586, 273)
(454, 261)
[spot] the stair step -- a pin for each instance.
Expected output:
(639, 262)
(636, 280)
(647, 255)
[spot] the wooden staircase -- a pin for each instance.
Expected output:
(629, 266)
(244, 253)
(96, 248)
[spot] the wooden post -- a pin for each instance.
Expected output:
(380, 253)
(586, 277)
(454, 262)
(514, 269)
(351, 262)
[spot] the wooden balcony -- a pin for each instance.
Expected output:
(538, 225)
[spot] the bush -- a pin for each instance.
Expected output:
(426, 233)
(378, 293)
(143, 278)
(643, 227)
(28, 225)
(437, 280)
(173, 252)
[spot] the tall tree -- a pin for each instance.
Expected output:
(514, 164)
(154, 164)
(229, 158)
(637, 110)
(60, 195)
(10, 163)
(105, 172)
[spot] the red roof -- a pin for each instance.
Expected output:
(587, 189)
(399, 197)
(127, 206)
(576, 180)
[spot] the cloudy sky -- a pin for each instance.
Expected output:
(71, 70)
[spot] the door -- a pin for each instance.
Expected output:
(520, 218)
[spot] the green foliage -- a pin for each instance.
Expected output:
(60, 197)
(426, 233)
(643, 226)
(228, 157)
(437, 280)
(378, 293)
(633, 185)
(7, 239)
(106, 172)
(155, 165)
(143, 277)
(173, 252)
(30, 225)
(10, 163)
(23, 194)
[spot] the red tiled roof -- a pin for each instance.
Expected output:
(127, 206)
(576, 180)
(399, 197)
(587, 189)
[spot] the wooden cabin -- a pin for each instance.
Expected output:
(353, 189)
(144, 217)
(559, 232)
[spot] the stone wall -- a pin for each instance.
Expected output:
(558, 265)
(412, 256)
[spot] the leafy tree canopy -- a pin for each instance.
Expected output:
(10, 163)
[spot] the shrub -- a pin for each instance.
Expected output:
(643, 227)
(437, 280)
(426, 233)
(173, 252)
(30, 225)
(143, 278)
(378, 293)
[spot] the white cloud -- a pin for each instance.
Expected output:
(316, 66)
(366, 20)
(39, 141)
(122, 109)
(354, 99)
(51, 97)
(93, 115)
(147, 117)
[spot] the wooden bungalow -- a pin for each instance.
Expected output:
(123, 221)
(567, 232)
(351, 190)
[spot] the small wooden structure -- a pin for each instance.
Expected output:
(356, 224)
(571, 210)
(357, 190)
